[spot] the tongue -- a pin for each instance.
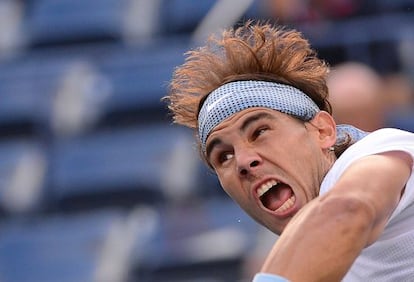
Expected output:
(275, 197)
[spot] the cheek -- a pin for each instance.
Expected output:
(231, 185)
(226, 185)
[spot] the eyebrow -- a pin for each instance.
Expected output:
(217, 141)
(254, 118)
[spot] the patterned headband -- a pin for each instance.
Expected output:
(236, 96)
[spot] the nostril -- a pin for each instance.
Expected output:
(243, 171)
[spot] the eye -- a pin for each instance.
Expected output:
(259, 132)
(224, 156)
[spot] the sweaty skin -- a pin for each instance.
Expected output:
(254, 147)
(258, 146)
(327, 235)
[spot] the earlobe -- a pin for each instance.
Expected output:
(326, 126)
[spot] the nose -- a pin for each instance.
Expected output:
(247, 161)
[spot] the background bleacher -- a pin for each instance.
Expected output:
(96, 184)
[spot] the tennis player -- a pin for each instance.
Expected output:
(342, 200)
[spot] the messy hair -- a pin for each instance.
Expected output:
(253, 51)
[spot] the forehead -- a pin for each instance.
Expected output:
(241, 120)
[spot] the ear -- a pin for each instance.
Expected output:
(325, 129)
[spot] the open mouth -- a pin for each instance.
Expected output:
(276, 196)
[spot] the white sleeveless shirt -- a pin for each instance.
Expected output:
(391, 257)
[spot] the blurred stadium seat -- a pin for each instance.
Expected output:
(23, 171)
(27, 86)
(91, 246)
(202, 241)
(181, 16)
(122, 166)
(59, 248)
(139, 78)
(50, 22)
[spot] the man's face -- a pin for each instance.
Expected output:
(270, 163)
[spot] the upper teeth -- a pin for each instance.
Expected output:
(265, 187)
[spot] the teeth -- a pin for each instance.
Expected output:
(265, 187)
(287, 205)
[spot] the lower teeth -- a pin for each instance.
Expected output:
(286, 205)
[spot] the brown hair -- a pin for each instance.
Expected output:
(254, 51)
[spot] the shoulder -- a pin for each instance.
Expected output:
(379, 141)
(392, 135)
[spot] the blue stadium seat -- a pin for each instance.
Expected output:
(32, 85)
(182, 16)
(27, 86)
(64, 21)
(127, 165)
(59, 248)
(207, 239)
(140, 75)
(23, 170)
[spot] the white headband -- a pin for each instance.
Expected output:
(236, 96)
